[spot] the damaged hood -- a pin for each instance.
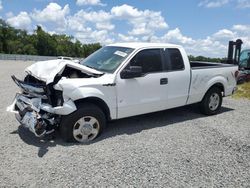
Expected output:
(47, 70)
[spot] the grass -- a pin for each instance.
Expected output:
(243, 91)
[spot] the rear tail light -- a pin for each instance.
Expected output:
(236, 74)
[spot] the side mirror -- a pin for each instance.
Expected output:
(131, 72)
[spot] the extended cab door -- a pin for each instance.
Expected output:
(147, 93)
(178, 74)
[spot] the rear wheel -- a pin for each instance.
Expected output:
(211, 103)
(83, 125)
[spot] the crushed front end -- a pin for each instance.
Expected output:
(42, 102)
(38, 106)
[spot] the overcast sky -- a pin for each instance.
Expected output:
(203, 27)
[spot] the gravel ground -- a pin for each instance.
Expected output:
(173, 148)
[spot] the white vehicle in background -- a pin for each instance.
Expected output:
(117, 81)
(68, 58)
(65, 58)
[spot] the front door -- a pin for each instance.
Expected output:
(147, 93)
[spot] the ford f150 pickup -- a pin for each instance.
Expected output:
(117, 81)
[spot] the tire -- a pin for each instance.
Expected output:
(211, 102)
(83, 125)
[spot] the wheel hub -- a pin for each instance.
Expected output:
(214, 101)
(86, 129)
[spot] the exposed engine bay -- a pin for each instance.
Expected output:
(39, 106)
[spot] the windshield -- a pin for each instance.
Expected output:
(107, 59)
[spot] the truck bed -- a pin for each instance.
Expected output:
(206, 74)
(206, 65)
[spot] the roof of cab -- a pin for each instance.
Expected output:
(137, 45)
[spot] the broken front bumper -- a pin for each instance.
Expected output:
(34, 113)
(27, 112)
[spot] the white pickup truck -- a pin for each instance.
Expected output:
(117, 81)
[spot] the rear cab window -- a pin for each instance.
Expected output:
(173, 59)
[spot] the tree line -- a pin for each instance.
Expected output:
(18, 41)
(205, 59)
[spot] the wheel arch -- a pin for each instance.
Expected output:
(98, 102)
(218, 85)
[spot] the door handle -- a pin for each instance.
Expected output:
(164, 81)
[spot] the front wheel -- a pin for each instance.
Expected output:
(211, 103)
(83, 125)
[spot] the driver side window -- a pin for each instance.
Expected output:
(150, 60)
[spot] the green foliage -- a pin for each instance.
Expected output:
(17, 41)
(243, 91)
(205, 59)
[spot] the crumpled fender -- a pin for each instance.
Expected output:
(67, 108)
(85, 92)
(101, 88)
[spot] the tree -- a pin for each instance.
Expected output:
(17, 41)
